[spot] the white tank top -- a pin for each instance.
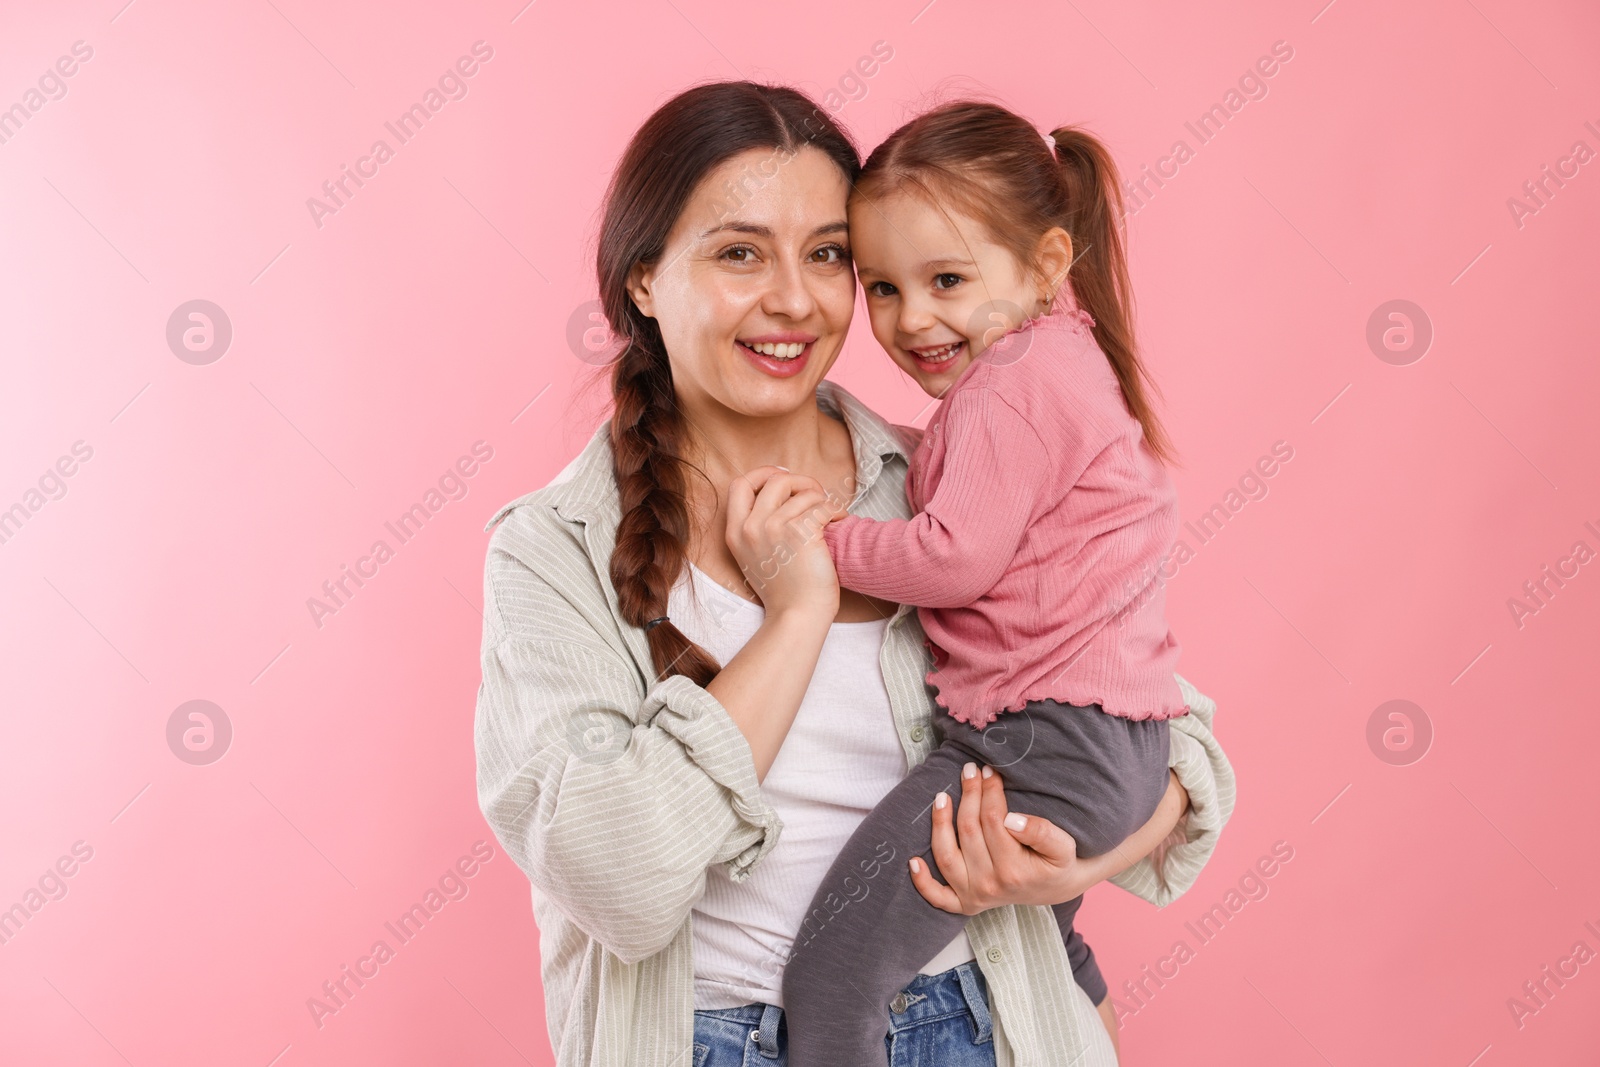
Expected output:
(841, 756)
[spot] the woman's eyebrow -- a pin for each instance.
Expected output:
(757, 230)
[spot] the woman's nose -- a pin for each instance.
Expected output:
(788, 295)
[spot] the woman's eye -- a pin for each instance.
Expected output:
(739, 254)
(946, 281)
(881, 289)
(831, 254)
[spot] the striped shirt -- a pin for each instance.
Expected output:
(616, 793)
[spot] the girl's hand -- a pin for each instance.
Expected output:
(774, 531)
(995, 862)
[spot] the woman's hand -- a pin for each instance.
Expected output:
(991, 858)
(774, 531)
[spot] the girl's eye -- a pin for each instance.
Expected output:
(831, 254)
(946, 281)
(881, 289)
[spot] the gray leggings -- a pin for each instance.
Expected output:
(1097, 776)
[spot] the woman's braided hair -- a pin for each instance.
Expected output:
(672, 153)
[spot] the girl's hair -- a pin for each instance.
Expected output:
(994, 167)
(672, 153)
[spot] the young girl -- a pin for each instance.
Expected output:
(993, 267)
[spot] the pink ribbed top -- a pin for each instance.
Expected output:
(1043, 520)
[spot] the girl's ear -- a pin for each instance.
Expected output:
(1053, 254)
(639, 281)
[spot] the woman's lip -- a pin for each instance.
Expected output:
(771, 365)
(785, 338)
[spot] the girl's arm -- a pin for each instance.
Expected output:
(958, 546)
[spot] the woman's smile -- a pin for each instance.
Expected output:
(781, 355)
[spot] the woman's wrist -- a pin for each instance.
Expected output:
(1143, 841)
(1092, 871)
(803, 617)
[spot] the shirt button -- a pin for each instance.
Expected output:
(995, 955)
(898, 1004)
(916, 733)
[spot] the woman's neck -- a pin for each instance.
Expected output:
(725, 444)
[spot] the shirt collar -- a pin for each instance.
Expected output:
(874, 440)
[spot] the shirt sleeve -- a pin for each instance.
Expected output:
(614, 806)
(955, 549)
(1203, 769)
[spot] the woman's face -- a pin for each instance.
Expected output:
(754, 292)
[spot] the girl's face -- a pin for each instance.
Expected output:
(754, 292)
(939, 290)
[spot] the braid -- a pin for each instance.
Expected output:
(646, 439)
(674, 152)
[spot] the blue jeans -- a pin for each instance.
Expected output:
(939, 1020)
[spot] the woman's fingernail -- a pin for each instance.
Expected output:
(988, 772)
(940, 801)
(969, 771)
(1016, 822)
(916, 865)
(785, 470)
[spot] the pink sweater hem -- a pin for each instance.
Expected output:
(981, 716)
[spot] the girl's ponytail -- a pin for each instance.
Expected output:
(1099, 275)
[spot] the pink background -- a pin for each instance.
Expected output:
(426, 315)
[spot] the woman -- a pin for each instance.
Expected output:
(638, 737)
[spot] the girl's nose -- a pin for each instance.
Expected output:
(915, 317)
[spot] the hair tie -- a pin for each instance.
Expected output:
(654, 622)
(1050, 139)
